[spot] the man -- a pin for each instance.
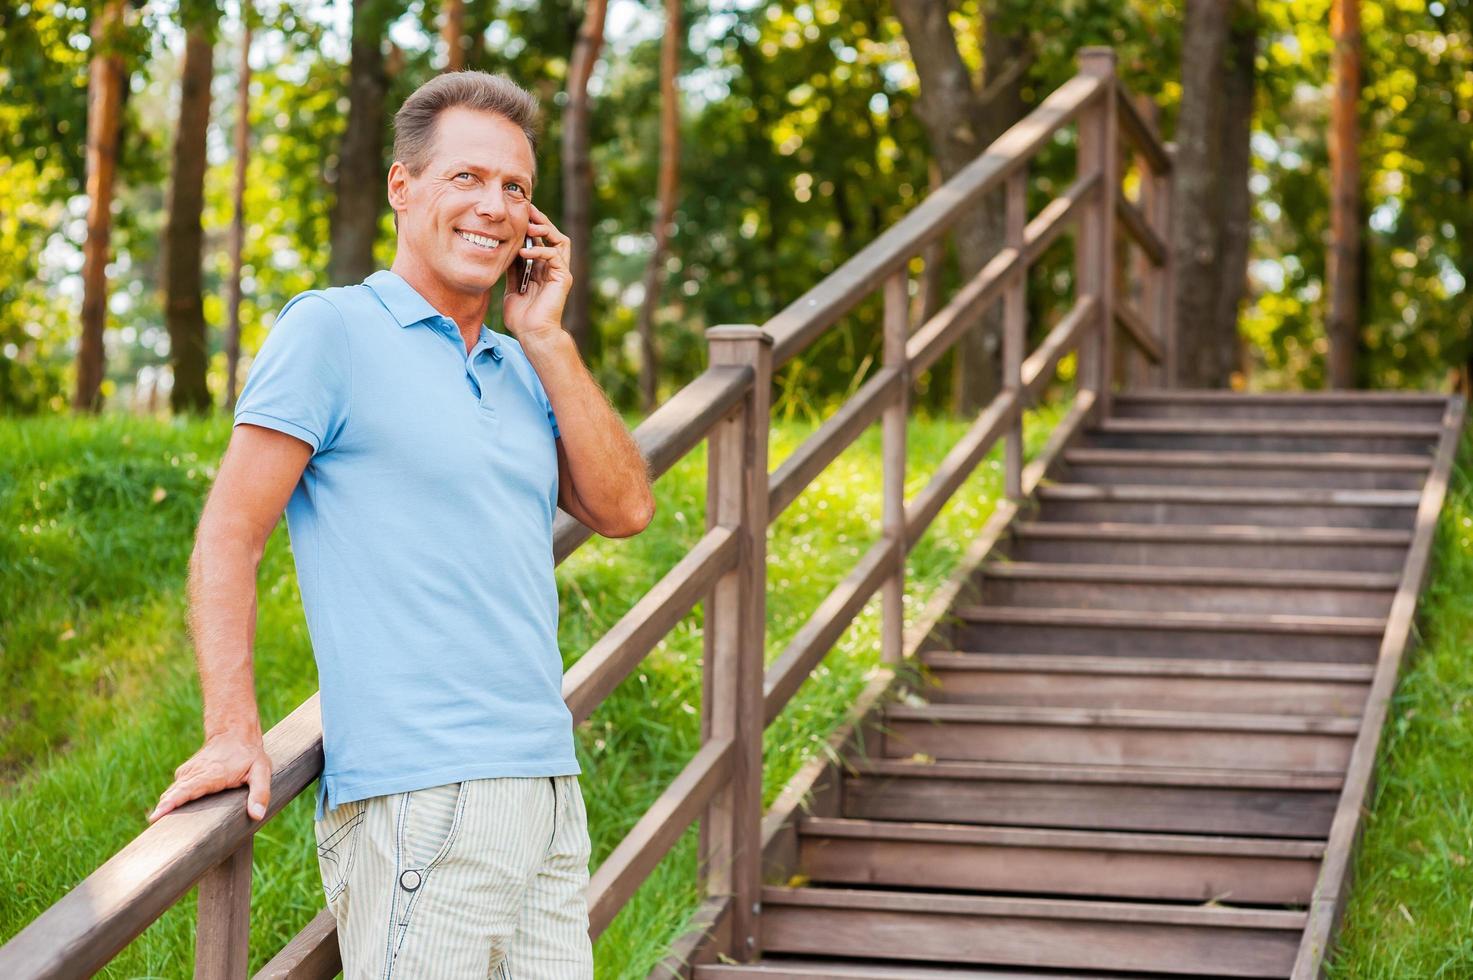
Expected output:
(420, 457)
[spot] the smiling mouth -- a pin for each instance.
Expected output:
(480, 241)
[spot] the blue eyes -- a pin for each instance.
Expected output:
(510, 185)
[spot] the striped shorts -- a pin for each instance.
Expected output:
(467, 881)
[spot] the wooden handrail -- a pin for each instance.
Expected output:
(727, 406)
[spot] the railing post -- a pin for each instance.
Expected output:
(1166, 299)
(1150, 277)
(892, 520)
(1094, 261)
(1014, 328)
(223, 932)
(734, 637)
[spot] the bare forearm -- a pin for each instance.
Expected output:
(607, 469)
(222, 620)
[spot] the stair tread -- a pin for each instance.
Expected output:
(1125, 718)
(1308, 428)
(1190, 575)
(1101, 774)
(1288, 496)
(832, 969)
(1153, 620)
(1208, 533)
(1147, 666)
(1004, 836)
(1248, 459)
(940, 903)
(1278, 397)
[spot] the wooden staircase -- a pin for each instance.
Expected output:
(1132, 738)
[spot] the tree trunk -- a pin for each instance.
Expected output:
(183, 239)
(237, 220)
(453, 31)
(1197, 205)
(1237, 159)
(360, 179)
(1343, 268)
(578, 176)
(106, 77)
(654, 273)
(960, 122)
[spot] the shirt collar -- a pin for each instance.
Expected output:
(408, 307)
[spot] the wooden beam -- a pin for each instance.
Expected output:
(623, 871)
(222, 938)
(1134, 222)
(1038, 369)
(1137, 330)
(595, 675)
(1141, 133)
(958, 464)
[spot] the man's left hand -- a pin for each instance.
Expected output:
(540, 309)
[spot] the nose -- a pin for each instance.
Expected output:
(492, 204)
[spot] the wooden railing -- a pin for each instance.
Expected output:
(208, 842)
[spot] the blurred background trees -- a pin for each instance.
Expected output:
(800, 130)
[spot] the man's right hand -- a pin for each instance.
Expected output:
(225, 761)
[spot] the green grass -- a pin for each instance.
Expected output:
(96, 525)
(1410, 912)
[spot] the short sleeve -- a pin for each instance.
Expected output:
(300, 382)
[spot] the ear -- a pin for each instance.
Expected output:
(398, 186)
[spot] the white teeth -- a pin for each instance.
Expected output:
(480, 240)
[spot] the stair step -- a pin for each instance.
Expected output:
(1030, 932)
(960, 857)
(1091, 797)
(1188, 589)
(1262, 506)
(1140, 682)
(1116, 736)
(1337, 406)
(1268, 435)
(1257, 636)
(784, 968)
(1218, 546)
(1362, 471)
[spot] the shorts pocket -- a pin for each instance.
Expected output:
(337, 841)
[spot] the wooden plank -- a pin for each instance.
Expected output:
(828, 622)
(1185, 589)
(831, 438)
(1365, 471)
(1116, 736)
(1142, 135)
(1135, 223)
(957, 857)
(958, 464)
(1332, 886)
(1055, 216)
(1277, 507)
(1267, 435)
(1138, 330)
(1030, 932)
(222, 939)
(1224, 546)
(1096, 798)
(312, 954)
(1326, 405)
(805, 318)
(670, 431)
(1088, 682)
(1014, 330)
(605, 664)
(1041, 629)
(783, 968)
(892, 509)
(624, 870)
(1038, 367)
(88, 926)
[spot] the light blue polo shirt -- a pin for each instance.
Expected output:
(422, 535)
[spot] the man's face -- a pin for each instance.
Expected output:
(464, 217)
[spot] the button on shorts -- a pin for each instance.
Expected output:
(466, 881)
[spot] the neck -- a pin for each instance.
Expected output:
(468, 310)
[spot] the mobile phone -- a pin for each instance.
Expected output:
(526, 277)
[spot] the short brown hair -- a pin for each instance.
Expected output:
(414, 123)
